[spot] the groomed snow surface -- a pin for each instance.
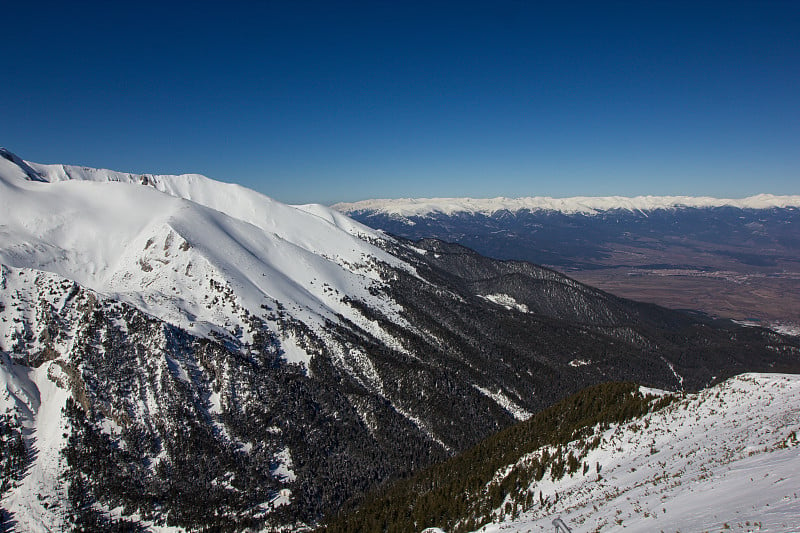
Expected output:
(726, 459)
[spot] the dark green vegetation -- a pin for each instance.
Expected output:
(728, 262)
(461, 494)
(13, 452)
(198, 432)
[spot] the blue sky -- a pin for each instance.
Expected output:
(342, 101)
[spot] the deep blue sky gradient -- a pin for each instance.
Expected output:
(340, 101)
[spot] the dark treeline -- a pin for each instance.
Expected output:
(458, 495)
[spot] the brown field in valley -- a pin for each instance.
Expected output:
(701, 279)
(770, 299)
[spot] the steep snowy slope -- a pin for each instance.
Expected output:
(169, 253)
(726, 459)
(177, 352)
(616, 457)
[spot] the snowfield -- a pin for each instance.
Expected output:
(37, 396)
(194, 252)
(192, 318)
(726, 459)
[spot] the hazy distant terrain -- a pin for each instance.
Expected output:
(735, 259)
(180, 354)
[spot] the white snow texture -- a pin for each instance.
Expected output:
(421, 207)
(726, 459)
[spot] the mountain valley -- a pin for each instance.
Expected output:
(737, 259)
(184, 354)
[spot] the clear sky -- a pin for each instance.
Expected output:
(340, 101)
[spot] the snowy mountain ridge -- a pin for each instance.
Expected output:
(727, 458)
(590, 205)
(231, 199)
(179, 235)
(165, 336)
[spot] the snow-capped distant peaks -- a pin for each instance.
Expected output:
(19, 165)
(420, 207)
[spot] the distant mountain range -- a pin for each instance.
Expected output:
(179, 352)
(584, 232)
(738, 259)
(587, 205)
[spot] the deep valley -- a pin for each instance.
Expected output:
(182, 354)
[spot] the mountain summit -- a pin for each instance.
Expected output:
(180, 352)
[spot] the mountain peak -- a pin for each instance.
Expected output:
(195, 337)
(590, 205)
(31, 174)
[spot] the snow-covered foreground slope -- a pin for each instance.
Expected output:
(727, 458)
(183, 353)
(420, 207)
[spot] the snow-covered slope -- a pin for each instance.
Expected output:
(417, 207)
(170, 247)
(171, 335)
(288, 222)
(35, 395)
(81, 249)
(727, 458)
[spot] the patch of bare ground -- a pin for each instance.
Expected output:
(766, 299)
(703, 278)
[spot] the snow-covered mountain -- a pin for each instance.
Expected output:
(617, 457)
(179, 352)
(168, 247)
(726, 459)
(420, 207)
